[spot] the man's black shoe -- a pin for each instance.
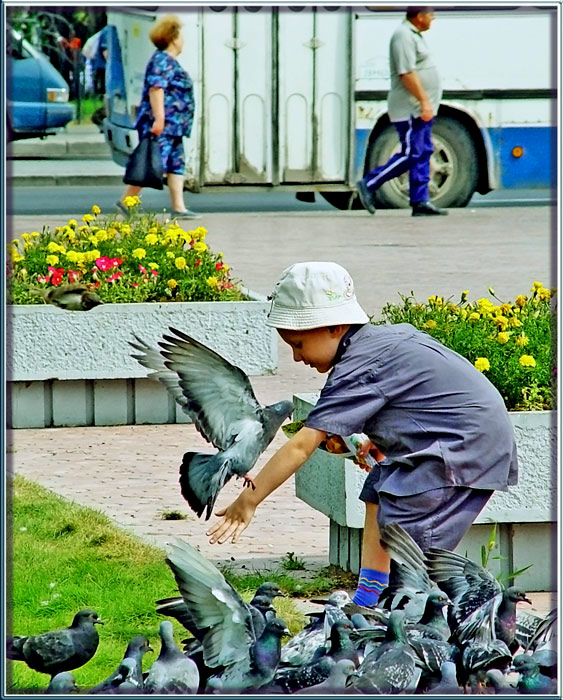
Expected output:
(365, 196)
(427, 209)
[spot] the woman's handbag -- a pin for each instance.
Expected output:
(144, 167)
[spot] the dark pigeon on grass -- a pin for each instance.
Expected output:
(219, 619)
(130, 672)
(60, 650)
(219, 399)
(172, 673)
(62, 684)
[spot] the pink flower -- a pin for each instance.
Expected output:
(115, 276)
(134, 284)
(115, 262)
(103, 263)
(154, 272)
(143, 269)
(73, 275)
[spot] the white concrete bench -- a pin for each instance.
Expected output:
(526, 515)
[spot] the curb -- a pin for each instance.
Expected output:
(63, 180)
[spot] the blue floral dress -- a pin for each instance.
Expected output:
(164, 71)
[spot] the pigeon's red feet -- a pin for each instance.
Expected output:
(249, 482)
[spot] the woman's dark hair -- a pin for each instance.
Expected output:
(165, 31)
(413, 11)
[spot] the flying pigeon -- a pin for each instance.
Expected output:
(534, 632)
(131, 673)
(222, 622)
(219, 399)
(60, 650)
(481, 608)
(62, 684)
(70, 297)
(172, 672)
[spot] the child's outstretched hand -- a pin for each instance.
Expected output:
(236, 518)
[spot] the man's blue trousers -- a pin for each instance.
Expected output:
(416, 148)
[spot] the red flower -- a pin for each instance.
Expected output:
(115, 262)
(43, 279)
(197, 263)
(134, 284)
(219, 266)
(96, 284)
(143, 269)
(103, 263)
(154, 272)
(58, 270)
(56, 278)
(115, 276)
(73, 275)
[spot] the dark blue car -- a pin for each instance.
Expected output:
(37, 93)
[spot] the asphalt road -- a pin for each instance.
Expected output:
(64, 200)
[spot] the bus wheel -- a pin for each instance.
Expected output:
(343, 200)
(453, 167)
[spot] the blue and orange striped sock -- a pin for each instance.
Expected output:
(370, 585)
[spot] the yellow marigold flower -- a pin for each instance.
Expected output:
(96, 209)
(34, 234)
(482, 364)
(102, 234)
(501, 322)
(522, 340)
(474, 316)
(432, 299)
(125, 229)
(139, 253)
(83, 229)
(27, 245)
(72, 255)
(430, 324)
(527, 361)
(219, 255)
(226, 268)
(15, 255)
(463, 314)
(171, 235)
(52, 247)
(87, 217)
(131, 202)
(172, 283)
(185, 236)
(544, 294)
(152, 265)
(537, 285)
(170, 254)
(16, 241)
(199, 247)
(93, 240)
(212, 281)
(505, 309)
(153, 229)
(137, 199)
(112, 232)
(521, 300)
(26, 236)
(151, 239)
(514, 322)
(91, 255)
(52, 260)
(73, 223)
(180, 263)
(503, 337)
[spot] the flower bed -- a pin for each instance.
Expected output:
(138, 259)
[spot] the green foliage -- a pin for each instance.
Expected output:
(139, 259)
(486, 551)
(292, 563)
(510, 342)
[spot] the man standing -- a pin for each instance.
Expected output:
(412, 104)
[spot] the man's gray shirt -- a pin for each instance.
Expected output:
(409, 52)
(438, 420)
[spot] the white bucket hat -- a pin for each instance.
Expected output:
(314, 295)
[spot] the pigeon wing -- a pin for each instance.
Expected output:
(218, 395)
(219, 615)
(50, 648)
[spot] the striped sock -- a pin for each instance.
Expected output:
(370, 585)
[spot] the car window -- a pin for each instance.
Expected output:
(15, 46)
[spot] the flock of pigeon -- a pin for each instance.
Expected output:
(444, 625)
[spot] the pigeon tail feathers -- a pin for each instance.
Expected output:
(14, 648)
(202, 476)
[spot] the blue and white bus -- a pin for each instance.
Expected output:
(294, 98)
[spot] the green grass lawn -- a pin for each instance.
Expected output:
(64, 557)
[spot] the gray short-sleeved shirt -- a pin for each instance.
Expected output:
(409, 52)
(438, 420)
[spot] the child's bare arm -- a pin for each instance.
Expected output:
(286, 461)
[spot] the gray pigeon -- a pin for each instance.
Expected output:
(173, 672)
(60, 650)
(482, 610)
(62, 684)
(336, 681)
(219, 399)
(130, 670)
(221, 621)
(70, 297)
(531, 681)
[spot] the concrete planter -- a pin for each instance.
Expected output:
(75, 368)
(526, 515)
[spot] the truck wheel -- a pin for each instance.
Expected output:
(453, 167)
(343, 200)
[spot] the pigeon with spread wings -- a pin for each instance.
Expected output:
(219, 399)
